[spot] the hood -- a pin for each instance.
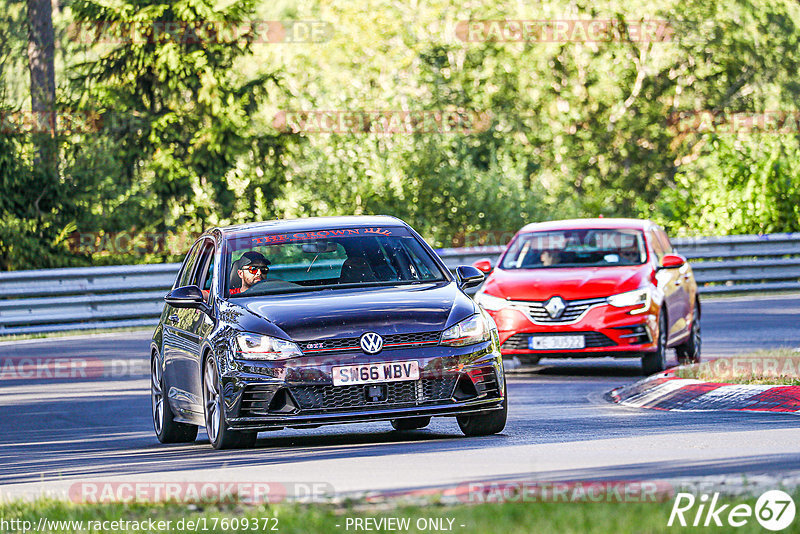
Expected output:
(351, 312)
(570, 283)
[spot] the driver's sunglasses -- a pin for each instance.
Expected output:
(254, 270)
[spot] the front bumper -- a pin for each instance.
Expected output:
(607, 331)
(300, 392)
(363, 416)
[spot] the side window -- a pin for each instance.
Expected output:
(188, 266)
(656, 244)
(205, 266)
(665, 241)
(209, 274)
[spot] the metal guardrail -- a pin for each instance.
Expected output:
(83, 298)
(132, 295)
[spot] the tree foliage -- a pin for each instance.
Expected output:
(187, 132)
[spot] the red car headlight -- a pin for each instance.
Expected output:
(641, 298)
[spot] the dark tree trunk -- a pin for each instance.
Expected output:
(41, 65)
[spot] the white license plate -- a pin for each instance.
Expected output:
(556, 342)
(375, 372)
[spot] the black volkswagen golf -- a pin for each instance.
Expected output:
(320, 321)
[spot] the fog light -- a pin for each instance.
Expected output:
(638, 334)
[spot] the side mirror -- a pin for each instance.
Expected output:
(484, 266)
(468, 276)
(186, 297)
(672, 261)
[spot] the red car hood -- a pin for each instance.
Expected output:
(568, 282)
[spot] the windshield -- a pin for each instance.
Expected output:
(575, 248)
(269, 263)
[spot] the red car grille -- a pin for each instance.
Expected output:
(572, 312)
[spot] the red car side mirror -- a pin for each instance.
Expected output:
(672, 261)
(484, 266)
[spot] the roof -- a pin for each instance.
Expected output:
(597, 223)
(310, 223)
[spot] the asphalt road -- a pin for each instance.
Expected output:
(61, 431)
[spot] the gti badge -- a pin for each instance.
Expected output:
(555, 307)
(371, 343)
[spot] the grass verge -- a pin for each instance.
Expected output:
(763, 367)
(507, 518)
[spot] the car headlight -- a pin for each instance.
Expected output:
(474, 329)
(489, 302)
(640, 298)
(258, 347)
(489, 321)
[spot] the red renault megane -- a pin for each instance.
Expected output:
(593, 288)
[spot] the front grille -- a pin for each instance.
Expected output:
(592, 340)
(486, 382)
(391, 341)
(572, 312)
(255, 400)
(399, 394)
(411, 339)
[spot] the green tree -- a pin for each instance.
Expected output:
(743, 186)
(178, 115)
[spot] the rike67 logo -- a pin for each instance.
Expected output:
(774, 510)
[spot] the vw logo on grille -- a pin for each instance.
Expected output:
(371, 343)
(555, 307)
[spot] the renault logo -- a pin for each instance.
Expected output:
(555, 307)
(371, 343)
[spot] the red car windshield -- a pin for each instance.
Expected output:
(575, 248)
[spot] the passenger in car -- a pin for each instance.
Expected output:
(550, 257)
(630, 255)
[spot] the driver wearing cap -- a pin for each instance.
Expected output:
(253, 268)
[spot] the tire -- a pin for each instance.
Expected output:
(655, 362)
(410, 423)
(487, 423)
(689, 351)
(218, 433)
(167, 430)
